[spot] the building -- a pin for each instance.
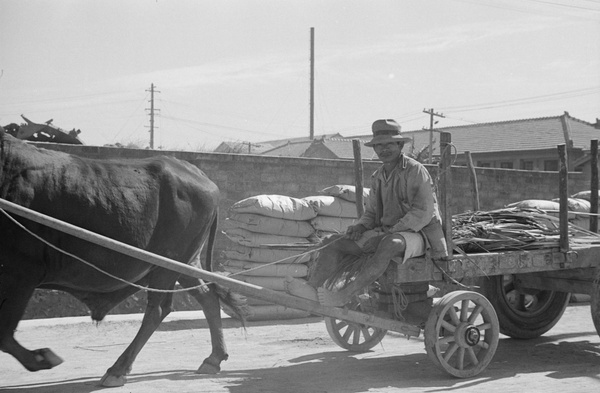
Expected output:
(525, 144)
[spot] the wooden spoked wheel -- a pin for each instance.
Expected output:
(461, 333)
(523, 314)
(595, 301)
(353, 336)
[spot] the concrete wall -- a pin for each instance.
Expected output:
(242, 176)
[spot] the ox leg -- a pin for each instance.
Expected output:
(14, 296)
(209, 300)
(158, 307)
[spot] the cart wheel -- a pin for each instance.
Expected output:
(461, 333)
(595, 302)
(351, 335)
(524, 315)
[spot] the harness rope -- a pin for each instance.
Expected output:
(203, 285)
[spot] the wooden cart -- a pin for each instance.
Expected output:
(522, 294)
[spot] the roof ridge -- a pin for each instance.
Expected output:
(501, 122)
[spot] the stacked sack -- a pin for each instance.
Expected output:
(576, 204)
(272, 235)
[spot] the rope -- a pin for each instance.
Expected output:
(399, 301)
(286, 258)
(203, 285)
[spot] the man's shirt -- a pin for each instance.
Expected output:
(402, 201)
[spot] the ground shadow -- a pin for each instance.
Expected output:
(343, 371)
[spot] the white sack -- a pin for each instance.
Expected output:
(270, 225)
(346, 192)
(331, 224)
(326, 205)
(587, 195)
(277, 206)
(252, 239)
(265, 255)
(261, 269)
(576, 204)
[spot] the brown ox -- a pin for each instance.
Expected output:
(162, 205)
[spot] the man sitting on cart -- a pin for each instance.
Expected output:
(401, 220)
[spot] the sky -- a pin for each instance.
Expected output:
(239, 70)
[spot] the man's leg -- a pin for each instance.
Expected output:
(334, 248)
(327, 263)
(390, 246)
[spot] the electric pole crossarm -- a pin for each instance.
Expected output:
(431, 114)
(152, 111)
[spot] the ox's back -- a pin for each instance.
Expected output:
(159, 204)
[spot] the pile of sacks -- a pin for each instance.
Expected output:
(272, 234)
(577, 203)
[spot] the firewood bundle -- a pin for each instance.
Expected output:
(512, 229)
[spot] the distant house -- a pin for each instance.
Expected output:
(527, 144)
(242, 148)
(278, 147)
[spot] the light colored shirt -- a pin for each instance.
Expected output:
(408, 201)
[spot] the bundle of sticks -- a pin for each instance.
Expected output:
(511, 229)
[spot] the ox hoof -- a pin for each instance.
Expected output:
(112, 381)
(207, 368)
(46, 358)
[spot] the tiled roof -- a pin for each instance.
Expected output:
(242, 148)
(281, 142)
(289, 149)
(514, 135)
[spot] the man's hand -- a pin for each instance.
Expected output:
(354, 232)
(372, 244)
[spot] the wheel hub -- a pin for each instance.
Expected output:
(472, 335)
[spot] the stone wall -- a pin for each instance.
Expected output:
(240, 176)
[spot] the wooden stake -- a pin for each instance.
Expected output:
(445, 181)
(563, 192)
(473, 179)
(594, 187)
(358, 177)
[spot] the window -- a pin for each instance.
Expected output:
(527, 165)
(551, 165)
(506, 165)
(482, 164)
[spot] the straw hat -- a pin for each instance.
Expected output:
(385, 131)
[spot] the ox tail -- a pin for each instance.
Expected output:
(234, 304)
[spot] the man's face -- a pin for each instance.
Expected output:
(388, 152)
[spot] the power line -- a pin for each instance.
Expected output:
(431, 114)
(528, 100)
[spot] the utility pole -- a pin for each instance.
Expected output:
(152, 110)
(312, 83)
(431, 114)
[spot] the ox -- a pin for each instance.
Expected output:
(160, 204)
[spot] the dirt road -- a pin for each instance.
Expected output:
(296, 357)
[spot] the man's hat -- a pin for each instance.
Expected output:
(385, 131)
